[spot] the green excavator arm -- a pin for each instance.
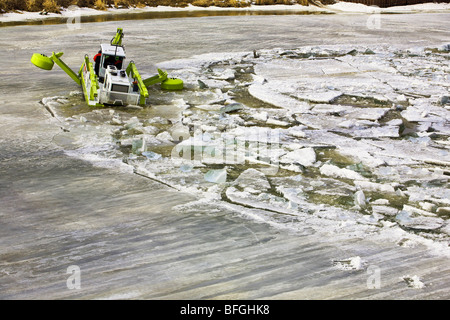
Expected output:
(46, 63)
(160, 77)
(117, 40)
(56, 58)
(132, 72)
(93, 93)
(170, 84)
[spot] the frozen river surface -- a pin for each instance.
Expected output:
(307, 158)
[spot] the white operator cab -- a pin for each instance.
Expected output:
(116, 80)
(111, 55)
(115, 84)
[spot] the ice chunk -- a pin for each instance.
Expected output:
(227, 74)
(413, 282)
(276, 122)
(417, 211)
(116, 121)
(202, 84)
(395, 122)
(293, 146)
(179, 132)
(203, 97)
(405, 219)
(372, 186)
(261, 116)
(130, 123)
(133, 126)
(50, 100)
(369, 113)
(186, 168)
(330, 109)
(319, 97)
(347, 124)
(427, 206)
(259, 200)
(207, 128)
(213, 84)
(360, 199)
(446, 229)
(305, 156)
(151, 155)
(336, 172)
(75, 93)
(151, 130)
(384, 210)
(444, 100)
(297, 132)
(376, 132)
(271, 96)
(216, 176)
(138, 146)
(252, 178)
(231, 107)
(401, 98)
(210, 107)
(164, 136)
(257, 79)
(157, 120)
(380, 202)
(353, 263)
(422, 113)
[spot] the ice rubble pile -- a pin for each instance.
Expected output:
(318, 136)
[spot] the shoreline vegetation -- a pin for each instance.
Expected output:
(55, 6)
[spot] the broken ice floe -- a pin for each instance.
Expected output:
(336, 172)
(353, 263)
(360, 199)
(258, 133)
(413, 282)
(406, 219)
(304, 156)
(253, 181)
(216, 176)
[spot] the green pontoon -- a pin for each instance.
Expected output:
(105, 81)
